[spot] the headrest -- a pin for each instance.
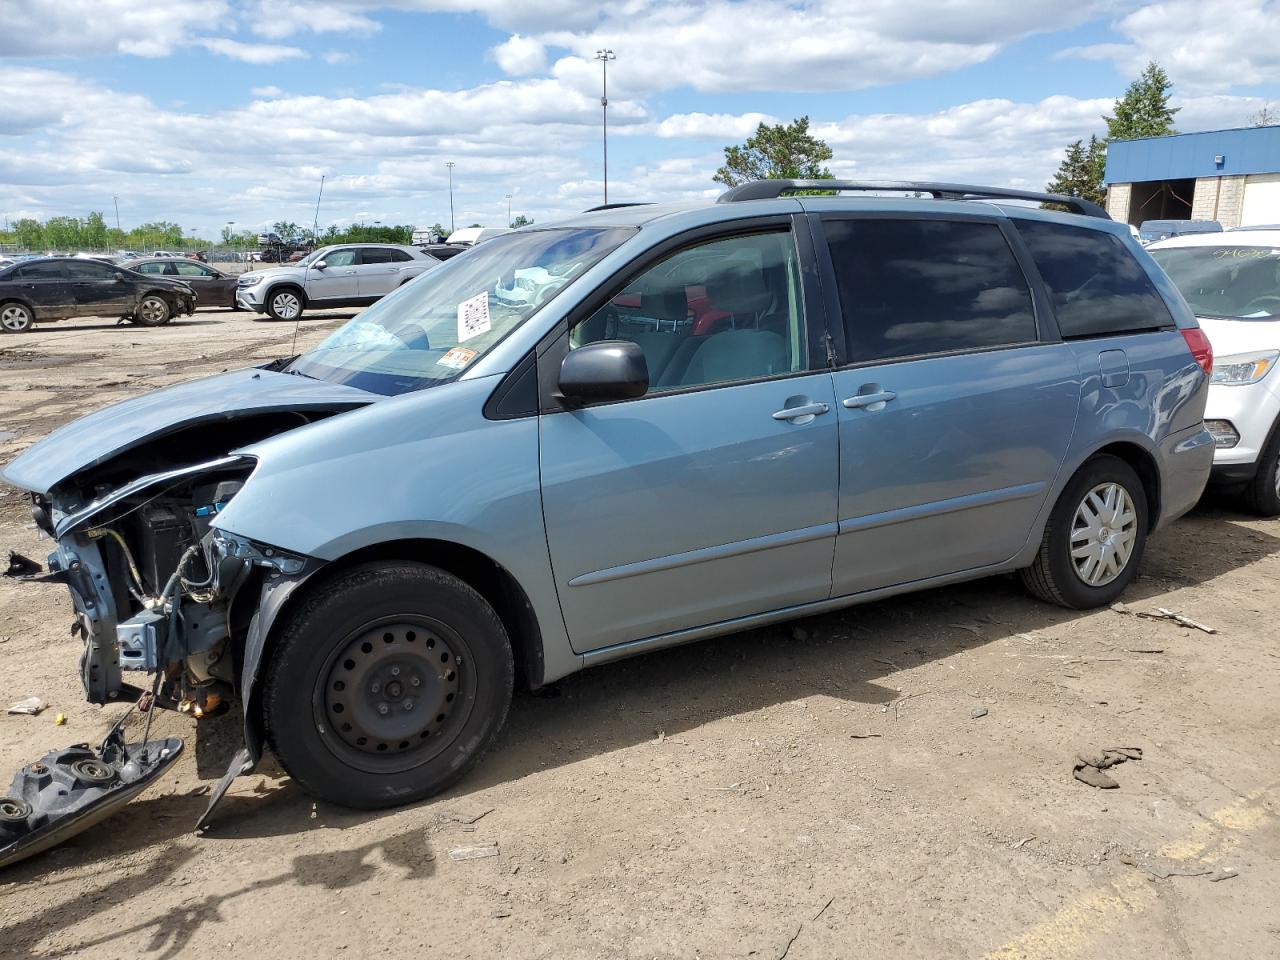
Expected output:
(738, 287)
(665, 304)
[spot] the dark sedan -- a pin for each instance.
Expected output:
(56, 288)
(213, 287)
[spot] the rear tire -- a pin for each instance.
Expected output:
(387, 685)
(1262, 494)
(1099, 523)
(16, 318)
(153, 311)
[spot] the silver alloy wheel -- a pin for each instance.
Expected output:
(14, 318)
(1103, 534)
(286, 305)
(153, 310)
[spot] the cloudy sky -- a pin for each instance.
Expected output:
(231, 110)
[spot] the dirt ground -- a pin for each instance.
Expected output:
(820, 789)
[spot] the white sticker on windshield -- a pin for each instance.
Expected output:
(457, 358)
(473, 317)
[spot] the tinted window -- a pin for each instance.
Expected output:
(400, 256)
(152, 268)
(375, 255)
(1097, 285)
(910, 287)
(50, 270)
(88, 270)
(719, 312)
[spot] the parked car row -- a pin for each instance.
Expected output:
(56, 288)
(638, 427)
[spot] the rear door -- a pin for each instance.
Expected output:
(955, 413)
(45, 285)
(378, 272)
(713, 496)
(97, 289)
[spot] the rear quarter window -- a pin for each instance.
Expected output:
(1097, 286)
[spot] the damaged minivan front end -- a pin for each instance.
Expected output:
(164, 601)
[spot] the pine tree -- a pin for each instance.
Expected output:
(786, 151)
(1080, 173)
(1144, 109)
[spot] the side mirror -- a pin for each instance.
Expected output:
(319, 265)
(608, 370)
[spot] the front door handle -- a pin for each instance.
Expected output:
(803, 413)
(863, 400)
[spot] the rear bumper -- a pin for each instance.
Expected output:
(1186, 460)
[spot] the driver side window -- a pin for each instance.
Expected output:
(719, 312)
(340, 258)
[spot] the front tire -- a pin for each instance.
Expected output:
(387, 685)
(16, 318)
(1095, 538)
(153, 311)
(1262, 495)
(285, 303)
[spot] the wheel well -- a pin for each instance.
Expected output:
(1144, 465)
(487, 577)
(285, 285)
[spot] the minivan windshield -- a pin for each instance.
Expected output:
(431, 330)
(1233, 283)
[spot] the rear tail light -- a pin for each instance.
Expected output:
(1200, 348)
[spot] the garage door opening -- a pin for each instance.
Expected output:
(1161, 200)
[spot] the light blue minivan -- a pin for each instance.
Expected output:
(639, 427)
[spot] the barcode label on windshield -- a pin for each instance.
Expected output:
(473, 317)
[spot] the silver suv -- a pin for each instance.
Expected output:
(349, 275)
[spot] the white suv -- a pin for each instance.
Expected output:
(1232, 282)
(347, 275)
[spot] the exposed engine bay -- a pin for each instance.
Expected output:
(152, 581)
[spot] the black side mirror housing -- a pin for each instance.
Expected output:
(606, 370)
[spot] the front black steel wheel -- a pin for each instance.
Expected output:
(386, 685)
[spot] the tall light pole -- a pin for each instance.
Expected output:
(231, 239)
(604, 56)
(450, 165)
(315, 222)
(508, 209)
(116, 200)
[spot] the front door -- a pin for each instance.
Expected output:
(338, 280)
(954, 415)
(713, 496)
(212, 288)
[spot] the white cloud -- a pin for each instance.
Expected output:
(269, 92)
(39, 28)
(520, 56)
(336, 56)
(721, 126)
(277, 20)
(1202, 46)
(259, 53)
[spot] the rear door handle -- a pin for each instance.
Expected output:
(806, 412)
(869, 399)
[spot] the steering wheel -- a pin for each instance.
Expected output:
(1265, 298)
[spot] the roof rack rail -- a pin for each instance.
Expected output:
(772, 189)
(615, 206)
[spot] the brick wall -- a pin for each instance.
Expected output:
(1219, 198)
(1118, 201)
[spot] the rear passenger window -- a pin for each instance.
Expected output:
(375, 255)
(912, 287)
(1097, 286)
(42, 271)
(400, 256)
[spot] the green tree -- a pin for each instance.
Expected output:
(521, 221)
(29, 234)
(95, 231)
(785, 151)
(438, 230)
(1080, 173)
(285, 229)
(1144, 109)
